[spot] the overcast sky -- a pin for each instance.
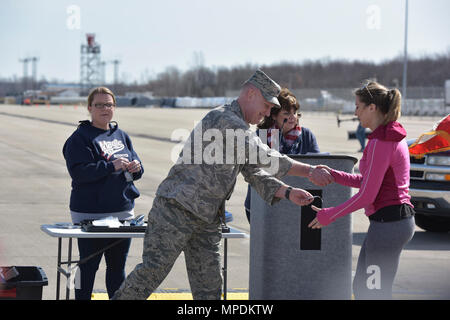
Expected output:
(149, 36)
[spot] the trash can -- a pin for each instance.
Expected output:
(22, 283)
(288, 260)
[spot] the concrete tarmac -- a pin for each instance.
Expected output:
(35, 190)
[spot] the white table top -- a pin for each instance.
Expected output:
(66, 230)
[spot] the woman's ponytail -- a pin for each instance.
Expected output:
(393, 104)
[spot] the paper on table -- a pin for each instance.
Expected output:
(111, 222)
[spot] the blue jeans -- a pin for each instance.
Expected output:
(115, 258)
(361, 135)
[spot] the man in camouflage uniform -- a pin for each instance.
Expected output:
(189, 204)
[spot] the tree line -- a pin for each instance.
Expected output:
(429, 71)
(201, 81)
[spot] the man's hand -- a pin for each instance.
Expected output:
(321, 176)
(298, 196)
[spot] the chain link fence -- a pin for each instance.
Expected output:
(421, 101)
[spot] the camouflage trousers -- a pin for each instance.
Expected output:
(172, 229)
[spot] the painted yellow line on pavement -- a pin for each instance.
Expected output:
(176, 296)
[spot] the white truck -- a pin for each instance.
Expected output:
(430, 185)
(430, 190)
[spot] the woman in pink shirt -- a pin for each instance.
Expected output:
(383, 192)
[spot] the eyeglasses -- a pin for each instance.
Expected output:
(104, 105)
(365, 87)
(288, 114)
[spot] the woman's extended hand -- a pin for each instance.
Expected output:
(315, 224)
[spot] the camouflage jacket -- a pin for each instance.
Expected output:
(219, 148)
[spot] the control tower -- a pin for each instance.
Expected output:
(90, 64)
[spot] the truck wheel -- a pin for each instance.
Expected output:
(432, 223)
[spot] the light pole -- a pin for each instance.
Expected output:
(25, 72)
(116, 63)
(405, 57)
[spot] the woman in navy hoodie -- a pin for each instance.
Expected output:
(103, 165)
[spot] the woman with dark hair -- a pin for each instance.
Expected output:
(292, 138)
(383, 192)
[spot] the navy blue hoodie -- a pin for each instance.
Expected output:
(96, 186)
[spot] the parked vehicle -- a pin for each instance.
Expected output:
(430, 190)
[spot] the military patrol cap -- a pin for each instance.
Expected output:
(269, 88)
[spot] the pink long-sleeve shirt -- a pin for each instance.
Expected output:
(384, 178)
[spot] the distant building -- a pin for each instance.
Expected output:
(62, 89)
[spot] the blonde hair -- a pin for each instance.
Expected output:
(388, 101)
(100, 90)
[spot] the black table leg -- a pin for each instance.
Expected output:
(58, 273)
(69, 261)
(225, 256)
